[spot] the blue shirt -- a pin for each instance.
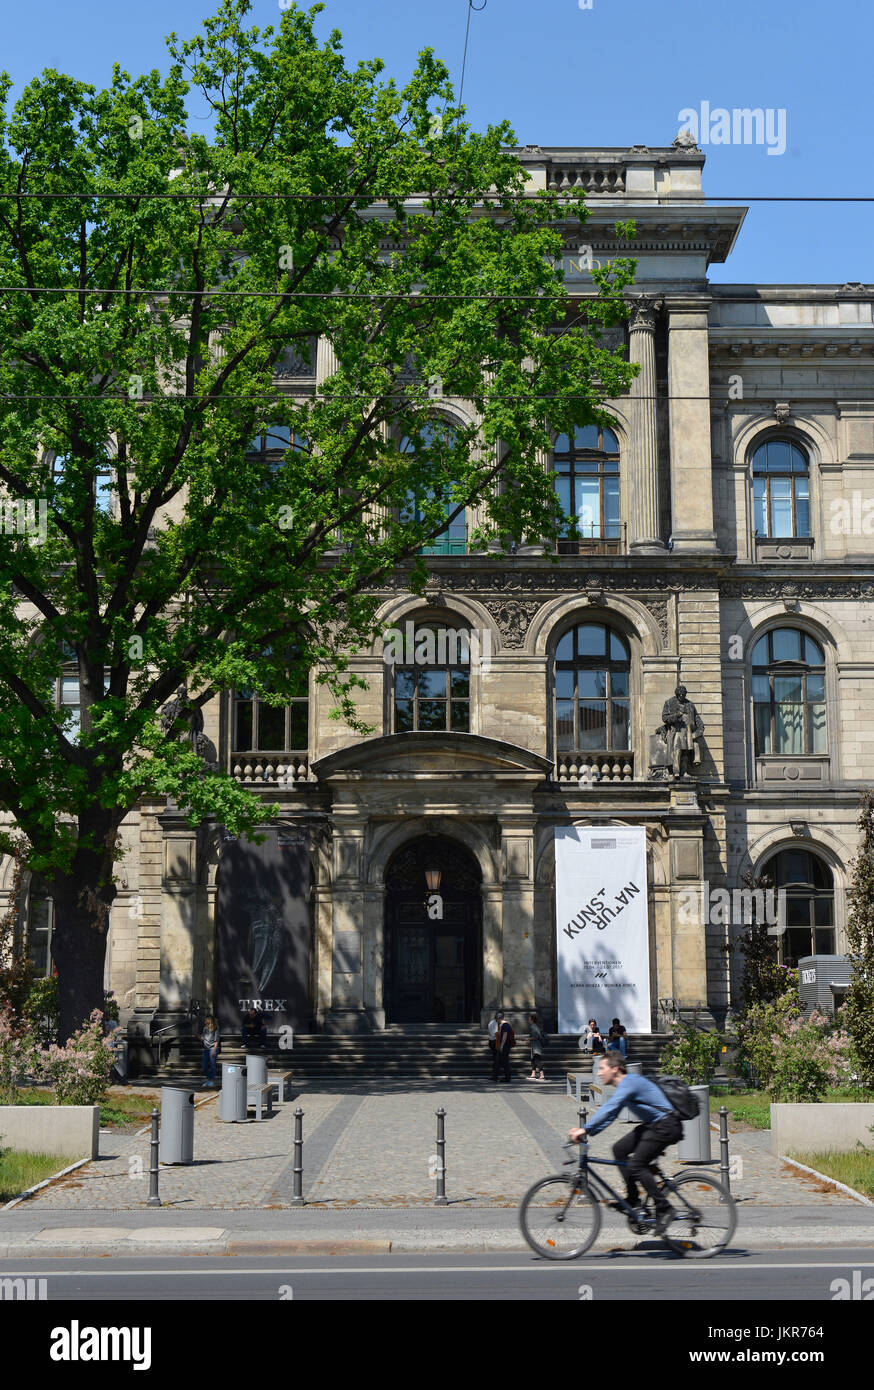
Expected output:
(643, 1098)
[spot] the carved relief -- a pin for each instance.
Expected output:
(513, 619)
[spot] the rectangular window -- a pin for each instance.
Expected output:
(39, 936)
(593, 725)
(781, 507)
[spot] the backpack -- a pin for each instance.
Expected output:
(678, 1096)
(544, 1036)
(511, 1041)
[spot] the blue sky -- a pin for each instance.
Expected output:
(616, 74)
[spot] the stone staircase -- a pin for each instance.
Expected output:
(400, 1053)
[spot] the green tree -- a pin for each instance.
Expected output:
(155, 281)
(858, 1010)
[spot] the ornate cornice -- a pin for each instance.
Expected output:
(513, 596)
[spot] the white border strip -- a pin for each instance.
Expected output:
(45, 1182)
(841, 1186)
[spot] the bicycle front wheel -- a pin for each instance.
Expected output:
(705, 1216)
(559, 1219)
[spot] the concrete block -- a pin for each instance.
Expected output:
(66, 1130)
(816, 1128)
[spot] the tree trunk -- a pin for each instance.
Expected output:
(79, 939)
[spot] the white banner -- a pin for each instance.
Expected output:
(602, 927)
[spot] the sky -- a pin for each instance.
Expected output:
(616, 73)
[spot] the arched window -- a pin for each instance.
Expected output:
(809, 911)
(592, 672)
(587, 484)
(431, 691)
(452, 541)
(788, 694)
(781, 490)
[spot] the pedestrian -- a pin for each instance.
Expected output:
(211, 1039)
(535, 1033)
(494, 1024)
(504, 1040)
(591, 1040)
(254, 1029)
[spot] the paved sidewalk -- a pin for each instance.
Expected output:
(374, 1147)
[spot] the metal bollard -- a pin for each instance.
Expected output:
(297, 1195)
(154, 1199)
(441, 1200)
(583, 1115)
(724, 1166)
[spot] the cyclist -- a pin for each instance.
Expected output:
(661, 1126)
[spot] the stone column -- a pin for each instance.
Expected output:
(689, 902)
(643, 481)
(178, 921)
(691, 453)
(326, 361)
(347, 1014)
(517, 857)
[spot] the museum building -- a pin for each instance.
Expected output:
(723, 547)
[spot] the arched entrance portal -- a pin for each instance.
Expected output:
(433, 968)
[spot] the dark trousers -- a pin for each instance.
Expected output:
(501, 1064)
(640, 1148)
(258, 1038)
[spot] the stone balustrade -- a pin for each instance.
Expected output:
(594, 767)
(278, 769)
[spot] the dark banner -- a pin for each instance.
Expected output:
(263, 929)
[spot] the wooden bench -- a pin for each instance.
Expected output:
(281, 1080)
(579, 1081)
(256, 1096)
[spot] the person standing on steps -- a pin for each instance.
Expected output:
(503, 1042)
(535, 1033)
(494, 1025)
(210, 1038)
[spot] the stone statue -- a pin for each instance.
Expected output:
(180, 707)
(680, 729)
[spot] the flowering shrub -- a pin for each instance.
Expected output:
(795, 1058)
(691, 1054)
(17, 1055)
(80, 1071)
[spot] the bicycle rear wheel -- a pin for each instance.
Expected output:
(559, 1220)
(705, 1216)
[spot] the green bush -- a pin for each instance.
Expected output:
(43, 1011)
(691, 1054)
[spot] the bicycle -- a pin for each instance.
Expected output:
(560, 1215)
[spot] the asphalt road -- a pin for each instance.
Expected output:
(656, 1275)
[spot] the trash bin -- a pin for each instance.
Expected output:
(256, 1068)
(232, 1101)
(177, 1125)
(626, 1117)
(694, 1147)
(120, 1065)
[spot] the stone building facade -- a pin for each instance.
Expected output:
(727, 544)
